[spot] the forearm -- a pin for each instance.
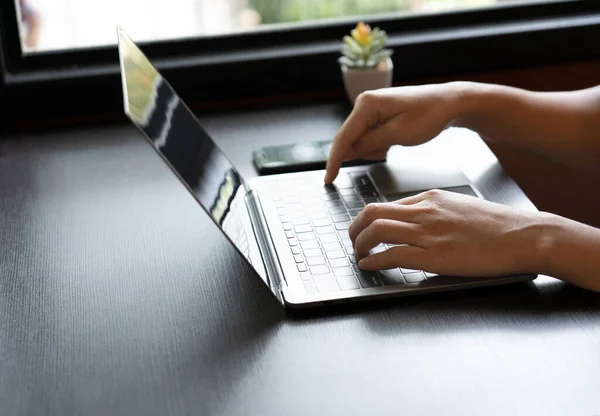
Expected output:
(562, 126)
(569, 251)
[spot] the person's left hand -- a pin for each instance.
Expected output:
(448, 233)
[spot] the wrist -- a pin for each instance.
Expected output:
(549, 232)
(477, 106)
(467, 98)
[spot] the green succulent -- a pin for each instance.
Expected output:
(366, 48)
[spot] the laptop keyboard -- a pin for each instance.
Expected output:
(316, 218)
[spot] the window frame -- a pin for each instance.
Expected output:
(250, 64)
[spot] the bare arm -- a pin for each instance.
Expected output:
(436, 231)
(562, 126)
(460, 235)
(571, 251)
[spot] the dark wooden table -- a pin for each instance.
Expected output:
(118, 296)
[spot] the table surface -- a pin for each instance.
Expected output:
(119, 296)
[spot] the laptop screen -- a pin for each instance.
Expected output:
(154, 106)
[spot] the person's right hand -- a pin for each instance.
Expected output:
(381, 118)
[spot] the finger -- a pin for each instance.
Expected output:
(379, 138)
(375, 211)
(362, 118)
(409, 257)
(385, 231)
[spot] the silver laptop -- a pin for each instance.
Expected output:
(291, 228)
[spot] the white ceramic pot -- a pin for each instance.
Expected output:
(360, 80)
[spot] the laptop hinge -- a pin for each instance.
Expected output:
(265, 243)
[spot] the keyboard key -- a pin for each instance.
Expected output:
(338, 262)
(342, 226)
(368, 194)
(313, 252)
(336, 254)
(295, 207)
(368, 279)
(352, 259)
(370, 200)
(312, 204)
(350, 250)
(310, 287)
(307, 245)
(391, 277)
(361, 180)
(354, 212)
(303, 228)
(321, 222)
(356, 268)
(328, 229)
(334, 245)
(305, 276)
(328, 189)
(347, 242)
(408, 271)
(318, 214)
(330, 197)
(346, 192)
(284, 219)
(343, 271)
(337, 210)
(340, 218)
(290, 234)
(301, 215)
(281, 211)
(316, 261)
(287, 226)
(343, 234)
(301, 267)
(354, 205)
(414, 277)
(428, 275)
(333, 204)
(298, 258)
(300, 221)
(351, 198)
(326, 283)
(319, 270)
(293, 242)
(295, 250)
(378, 249)
(326, 238)
(347, 282)
(306, 236)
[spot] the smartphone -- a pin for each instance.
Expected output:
(298, 157)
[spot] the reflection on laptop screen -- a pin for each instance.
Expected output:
(153, 105)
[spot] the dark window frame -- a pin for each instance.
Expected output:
(297, 59)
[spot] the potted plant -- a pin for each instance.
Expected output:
(366, 62)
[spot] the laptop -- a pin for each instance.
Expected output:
(291, 228)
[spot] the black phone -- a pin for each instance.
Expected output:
(298, 157)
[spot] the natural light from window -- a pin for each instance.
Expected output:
(67, 24)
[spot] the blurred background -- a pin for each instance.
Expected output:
(67, 24)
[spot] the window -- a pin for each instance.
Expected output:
(67, 24)
(58, 57)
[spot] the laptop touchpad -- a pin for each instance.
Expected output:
(464, 189)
